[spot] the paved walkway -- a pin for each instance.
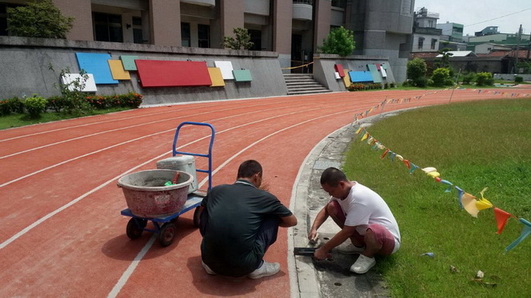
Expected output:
(329, 278)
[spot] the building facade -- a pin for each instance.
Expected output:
(426, 35)
(294, 29)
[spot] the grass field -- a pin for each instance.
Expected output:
(473, 145)
(16, 120)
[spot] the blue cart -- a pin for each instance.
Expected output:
(165, 226)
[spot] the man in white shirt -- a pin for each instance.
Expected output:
(362, 215)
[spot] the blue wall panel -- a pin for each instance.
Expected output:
(97, 65)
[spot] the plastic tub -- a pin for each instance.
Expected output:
(146, 195)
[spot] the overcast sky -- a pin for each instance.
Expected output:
(478, 14)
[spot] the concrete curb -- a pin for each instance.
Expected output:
(307, 199)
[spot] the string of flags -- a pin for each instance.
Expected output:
(467, 201)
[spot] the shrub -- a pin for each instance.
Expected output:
(11, 105)
(416, 72)
(518, 79)
(35, 105)
(468, 78)
(38, 19)
(441, 77)
(242, 40)
(484, 79)
(339, 41)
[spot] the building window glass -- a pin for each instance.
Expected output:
(185, 35)
(256, 39)
(421, 43)
(137, 30)
(339, 3)
(433, 43)
(203, 36)
(107, 27)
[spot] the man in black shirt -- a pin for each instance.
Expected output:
(238, 223)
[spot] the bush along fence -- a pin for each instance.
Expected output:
(35, 105)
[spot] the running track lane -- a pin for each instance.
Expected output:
(62, 234)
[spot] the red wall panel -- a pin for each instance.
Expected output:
(164, 73)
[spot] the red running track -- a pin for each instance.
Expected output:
(62, 233)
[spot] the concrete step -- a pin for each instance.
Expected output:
(303, 84)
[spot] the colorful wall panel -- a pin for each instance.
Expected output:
(226, 69)
(360, 76)
(165, 73)
(90, 83)
(242, 75)
(129, 62)
(377, 78)
(216, 77)
(346, 79)
(339, 69)
(97, 65)
(118, 71)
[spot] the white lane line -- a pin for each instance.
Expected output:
(139, 138)
(104, 132)
(51, 214)
(131, 268)
(121, 282)
(121, 119)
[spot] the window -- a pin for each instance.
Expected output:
(421, 43)
(339, 3)
(107, 27)
(203, 36)
(433, 43)
(185, 35)
(137, 30)
(256, 39)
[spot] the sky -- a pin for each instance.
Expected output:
(475, 15)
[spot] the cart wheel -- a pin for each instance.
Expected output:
(197, 217)
(167, 232)
(135, 227)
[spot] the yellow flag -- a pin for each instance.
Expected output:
(359, 130)
(483, 204)
(365, 136)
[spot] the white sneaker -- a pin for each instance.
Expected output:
(362, 264)
(267, 269)
(350, 249)
(207, 269)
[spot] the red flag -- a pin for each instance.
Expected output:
(501, 218)
(385, 153)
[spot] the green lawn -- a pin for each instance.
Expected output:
(473, 145)
(16, 120)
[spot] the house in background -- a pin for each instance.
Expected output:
(426, 36)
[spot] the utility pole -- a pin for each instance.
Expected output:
(517, 48)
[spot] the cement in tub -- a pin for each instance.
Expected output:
(148, 197)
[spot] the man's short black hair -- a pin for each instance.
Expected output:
(332, 176)
(248, 168)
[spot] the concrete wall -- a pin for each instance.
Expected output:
(26, 69)
(323, 70)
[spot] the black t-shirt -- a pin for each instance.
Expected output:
(234, 214)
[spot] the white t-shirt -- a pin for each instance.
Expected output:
(363, 207)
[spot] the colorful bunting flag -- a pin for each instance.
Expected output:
(525, 232)
(469, 203)
(501, 219)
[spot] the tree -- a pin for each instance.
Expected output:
(416, 72)
(241, 40)
(38, 19)
(445, 60)
(441, 77)
(339, 41)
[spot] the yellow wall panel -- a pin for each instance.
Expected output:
(346, 78)
(117, 70)
(216, 77)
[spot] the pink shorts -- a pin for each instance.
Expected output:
(383, 236)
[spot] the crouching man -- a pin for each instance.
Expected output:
(363, 217)
(239, 222)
